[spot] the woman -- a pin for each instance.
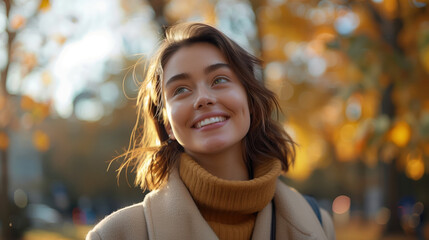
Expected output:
(209, 150)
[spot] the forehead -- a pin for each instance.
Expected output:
(193, 58)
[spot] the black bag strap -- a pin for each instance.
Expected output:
(273, 221)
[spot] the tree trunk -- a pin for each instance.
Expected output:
(4, 199)
(390, 180)
(158, 7)
(392, 195)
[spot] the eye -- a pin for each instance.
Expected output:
(180, 90)
(220, 80)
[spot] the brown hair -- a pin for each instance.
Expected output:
(152, 155)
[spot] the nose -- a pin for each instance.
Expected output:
(204, 98)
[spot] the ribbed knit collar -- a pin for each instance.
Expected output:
(230, 206)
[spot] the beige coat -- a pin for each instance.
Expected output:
(170, 213)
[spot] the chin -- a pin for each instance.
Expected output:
(215, 147)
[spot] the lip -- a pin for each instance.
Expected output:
(209, 115)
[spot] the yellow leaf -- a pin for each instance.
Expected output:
(345, 142)
(46, 78)
(426, 149)
(41, 141)
(424, 57)
(400, 134)
(27, 103)
(415, 169)
(4, 141)
(30, 60)
(45, 5)
(425, 105)
(305, 160)
(17, 22)
(60, 39)
(40, 111)
(414, 165)
(388, 8)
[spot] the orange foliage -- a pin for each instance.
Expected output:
(400, 134)
(369, 104)
(45, 5)
(29, 60)
(41, 141)
(46, 78)
(4, 141)
(415, 167)
(366, 23)
(176, 11)
(426, 105)
(388, 8)
(41, 111)
(363, 61)
(17, 22)
(424, 57)
(346, 142)
(60, 39)
(27, 103)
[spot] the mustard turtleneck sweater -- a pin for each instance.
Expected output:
(230, 207)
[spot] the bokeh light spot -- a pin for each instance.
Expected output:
(41, 141)
(20, 198)
(17, 22)
(341, 204)
(415, 169)
(274, 71)
(424, 57)
(347, 23)
(27, 103)
(45, 5)
(89, 110)
(354, 108)
(400, 134)
(382, 216)
(316, 66)
(418, 208)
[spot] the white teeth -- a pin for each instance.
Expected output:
(208, 121)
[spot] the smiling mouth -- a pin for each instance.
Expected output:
(209, 121)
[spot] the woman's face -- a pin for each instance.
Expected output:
(206, 104)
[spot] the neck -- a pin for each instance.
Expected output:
(228, 164)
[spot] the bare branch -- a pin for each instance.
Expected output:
(158, 7)
(10, 38)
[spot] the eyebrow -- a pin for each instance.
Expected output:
(207, 70)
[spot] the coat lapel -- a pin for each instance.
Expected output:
(172, 214)
(262, 229)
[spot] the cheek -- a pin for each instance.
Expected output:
(241, 102)
(246, 110)
(168, 113)
(175, 116)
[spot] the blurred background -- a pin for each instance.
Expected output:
(352, 78)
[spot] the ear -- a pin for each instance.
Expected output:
(169, 131)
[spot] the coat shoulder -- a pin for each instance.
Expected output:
(328, 225)
(126, 223)
(298, 213)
